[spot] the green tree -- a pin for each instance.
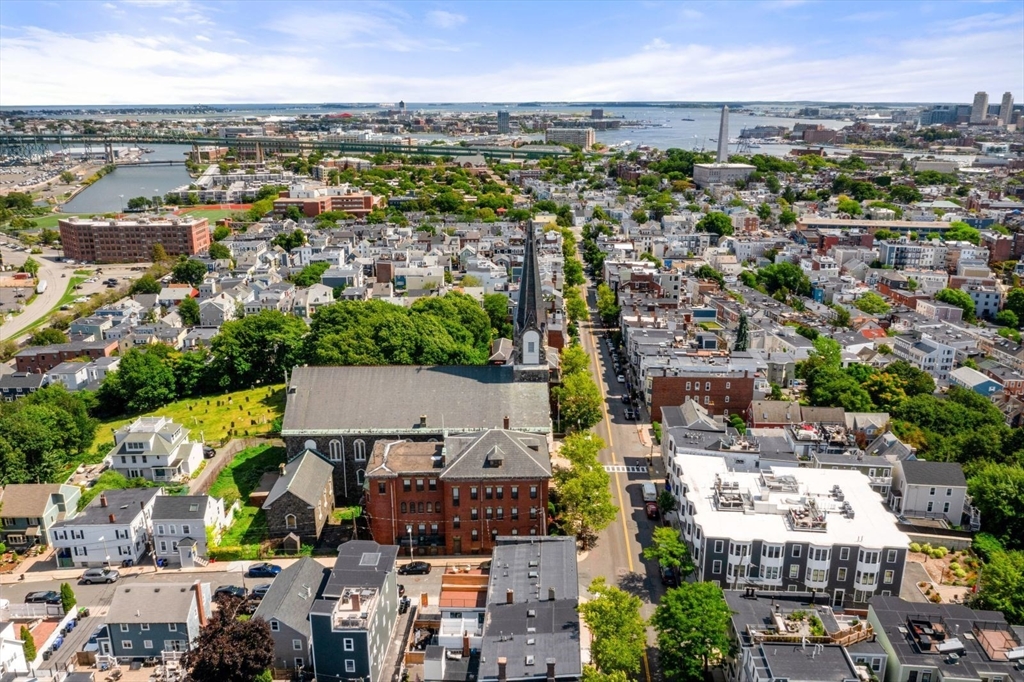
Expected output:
(962, 232)
(707, 272)
(47, 337)
(31, 266)
(998, 493)
(574, 360)
(496, 307)
(1002, 585)
(841, 316)
(158, 254)
(764, 213)
(584, 497)
(872, 303)
(188, 310)
(693, 630)
(221, 232)
(189, 271)
(607, 307)
(669, 550)
(289, 240)
(138, 203)
(914, 381)
(575, 306)
(619, 631)
(147, 284)
(961, 299)
(67, 177)
(142, 382)
(1015, 302)
(592, 674)
(67, 597)
(311, 274)
(579, 401)
(849, 206)
(784, 277)
(258, 349)
(573, 271)
(716, 223)
(1007, 318)
(639, 216)
(742, 334)
(29, 644)
(219, 252)
(787, 216)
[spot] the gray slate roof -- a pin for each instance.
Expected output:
(288, 599)
(305, 477)
(180, 507)
(499, 454)
(391, 400)
(27, 499)
(123, 504)
(151, 603)
(556, 622)
(355, 566)
(920, 472)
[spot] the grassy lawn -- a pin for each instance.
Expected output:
(347, 513)
(216, 418)
(237, 480)
(69, 296)
(213, 215)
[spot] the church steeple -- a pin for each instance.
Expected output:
(530, 323)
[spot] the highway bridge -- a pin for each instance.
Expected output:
(36, 143)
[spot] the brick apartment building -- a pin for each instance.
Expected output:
(457, 496)
(313, 202)
(132, 241)
(45, 358)
(720, 391)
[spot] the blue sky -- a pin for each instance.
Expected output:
(165, 51)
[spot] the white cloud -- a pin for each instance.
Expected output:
(108, 5)
(201, 38)
(443, 19)
(656, 44)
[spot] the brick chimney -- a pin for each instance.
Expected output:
(281, 469)
(197, 587)
(551, 669)
(103, 500)
(113, 519)
(551, 594)
(465, 644)
(355, 601)
(510, 596)
(502, 669)
(505, 422)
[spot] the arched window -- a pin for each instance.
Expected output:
(421, 508)
(360, 476)
(430, 507)
(359, 448)
(310, 444)
(289, 521)
(404, 508)
(335, 449)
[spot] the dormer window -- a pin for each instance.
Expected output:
(134, 446)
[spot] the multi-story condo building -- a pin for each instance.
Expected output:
(132, 241)
(353, 618)
(156, 449)
(945, 642)
(979, 110)
(790, 529)
(924, 352)
(902, 253)
(581, 137)
(457, 496)
(114, 528)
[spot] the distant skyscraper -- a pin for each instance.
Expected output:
(980, 108)
(504, 123)
(723, 137)
(1006, 109)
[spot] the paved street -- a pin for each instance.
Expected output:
(627, 458)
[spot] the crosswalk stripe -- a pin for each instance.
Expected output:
(623, 469)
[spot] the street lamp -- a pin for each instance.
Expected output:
(408, 529)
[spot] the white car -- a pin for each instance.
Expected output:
(621, 379)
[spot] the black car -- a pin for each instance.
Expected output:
(668, 577)
(47, 597)
(260, 591)
(264, 570)
(414, 568)
(208, 452)
(230, 591)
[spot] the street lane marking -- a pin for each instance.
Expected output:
(623, 469)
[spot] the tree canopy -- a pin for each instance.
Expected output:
(257, 349)
(229, 649)
(188, 271)
(584, 499)
(961, 299)
(716, 223)
(693, 630)
(619, 631)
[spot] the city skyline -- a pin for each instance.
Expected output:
(166, 52)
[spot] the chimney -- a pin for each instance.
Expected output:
(113, 519)
(465, 644)
(103, 500)
(201, 608)
(281, 469)
(551, 594)
(505, 422)
(423, 421)
(355, 601)
(551, 669)
(510, 596)
(502, 669)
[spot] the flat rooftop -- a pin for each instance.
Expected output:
(787, 504)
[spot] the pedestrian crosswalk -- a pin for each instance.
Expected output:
(623, 469)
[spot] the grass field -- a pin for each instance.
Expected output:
(213, 215)
(216, 419)
(235, 482)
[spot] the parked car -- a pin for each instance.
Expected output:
(230, 591)
(626, 399)
(668, 576)
(46, 597)
(630, 413)
(264, 570)
(414, 568)
(208, 452)
(260, 591)
(100, 575)
(621, 379)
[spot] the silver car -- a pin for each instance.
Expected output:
(100, 575)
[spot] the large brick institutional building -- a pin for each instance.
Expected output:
(132, 241)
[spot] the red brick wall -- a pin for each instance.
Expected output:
(45, 361)
(388, 522)
(672, 391)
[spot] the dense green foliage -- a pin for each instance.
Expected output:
(619, 631)
(189, 271)
(582, 494)
(310, 275)
(961, 299)
(693, 623)
(40, 433)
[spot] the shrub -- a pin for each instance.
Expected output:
(985, 545)
(935, 598)
(926, 548)
(915, 546)
(939, 552)
(960, 573)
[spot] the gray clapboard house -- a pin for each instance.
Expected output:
(29, 510)
(286, 608)
(154, 620)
